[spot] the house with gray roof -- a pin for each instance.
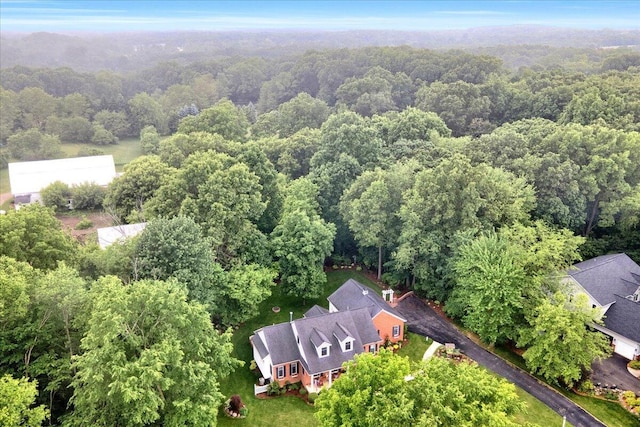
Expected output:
(612, 283)
(312, 349)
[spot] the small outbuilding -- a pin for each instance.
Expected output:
(110, 235)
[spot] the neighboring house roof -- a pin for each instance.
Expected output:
(623, 317)
(611, 280)
(356, 295)
(110, 235)
(31, 177)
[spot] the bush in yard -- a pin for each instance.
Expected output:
(273, 389)
(294, 386)
(56, 195)
(634, 364)
(84, 224)
(87, 195)
(235, 403)
(312, 397)
(586, 387)
(303, 391)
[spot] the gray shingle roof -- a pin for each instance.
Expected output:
(329, 325)
(316, 310)
(280, 343)
(353, 294)
(610, 279)
(623, 317)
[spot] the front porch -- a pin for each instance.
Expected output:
(317, 382)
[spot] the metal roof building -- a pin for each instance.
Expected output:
(110, 235)
(29, 178)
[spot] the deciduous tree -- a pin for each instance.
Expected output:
(16, 400)
(150, 356)
(560, 345)
(34, 235)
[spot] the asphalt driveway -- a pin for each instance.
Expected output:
(425, 321)
(613, 370)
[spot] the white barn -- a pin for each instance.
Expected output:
(27, 179)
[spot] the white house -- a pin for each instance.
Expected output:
(612, 283)
(27, 179)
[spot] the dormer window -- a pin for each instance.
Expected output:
(320, 342)
(344, 337)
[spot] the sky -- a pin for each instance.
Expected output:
(134, 15)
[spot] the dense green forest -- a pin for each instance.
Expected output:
(445, 171)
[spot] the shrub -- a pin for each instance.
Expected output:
(56, 195)
(89, 151)
(253, 365)
(586, 387)
(609, 395)
(294, 386)
(273, 389)
(244, 411)
(303, 391)
(358, 268)
(312, 397)
(84, 223)
(634, 364)
(87, 195)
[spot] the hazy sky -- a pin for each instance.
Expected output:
(120, 15)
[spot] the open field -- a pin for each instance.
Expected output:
(123, 152)
(293, 411)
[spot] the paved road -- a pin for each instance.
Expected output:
(425, 321)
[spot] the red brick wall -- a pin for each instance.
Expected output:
(287, 377)
(384, 322)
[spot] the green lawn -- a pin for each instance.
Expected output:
(123, 152)
(416, 347)
(292, 411)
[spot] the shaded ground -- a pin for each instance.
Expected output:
(423, 320)
(614, 371)
(99, 220)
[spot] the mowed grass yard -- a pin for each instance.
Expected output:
(123, 152)
(293, 411)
